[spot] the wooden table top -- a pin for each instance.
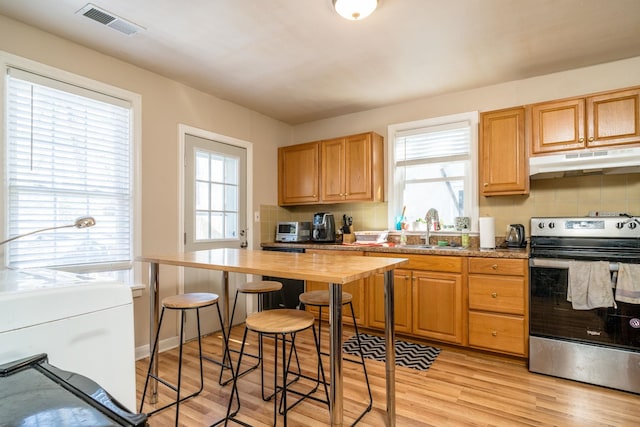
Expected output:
(322, 268)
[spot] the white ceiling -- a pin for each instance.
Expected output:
(298, 61)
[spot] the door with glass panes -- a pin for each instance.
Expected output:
(214, 217)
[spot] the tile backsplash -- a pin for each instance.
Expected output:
(574, 196)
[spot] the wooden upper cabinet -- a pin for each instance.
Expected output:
(614, 118)
(298, 174)
(600, 120)
(352, 168)
(332, 153)
(504, 168)
(345, 169)
(557, 126)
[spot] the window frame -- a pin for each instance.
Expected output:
(8, 60)
(395, 190)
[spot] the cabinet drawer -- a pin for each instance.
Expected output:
(502, 266)
(445, 264)
(497, 293)
(497, 332)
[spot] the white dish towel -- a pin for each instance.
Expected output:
(590, 285)
(628, 286)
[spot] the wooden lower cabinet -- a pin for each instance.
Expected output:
(498, 299)
(437, 312)
(468, 301)
(402, 301)
(429, 297)
(356, 289)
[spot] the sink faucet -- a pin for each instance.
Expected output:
(432, 218)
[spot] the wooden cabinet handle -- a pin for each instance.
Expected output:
(486, 184)
(494, 295)
(494, 266)
(494, 333)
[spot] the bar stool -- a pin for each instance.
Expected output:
(182, 302)
(320, 299)
(280, 323)
(260, 288)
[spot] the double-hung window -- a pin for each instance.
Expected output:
(69, 153)
(433, 167)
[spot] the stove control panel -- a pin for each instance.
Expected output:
(621, 227)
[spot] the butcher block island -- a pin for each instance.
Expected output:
(465, 297)
(335, 271)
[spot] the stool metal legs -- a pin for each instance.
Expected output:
(258, 356)
(177, 388)
(283, 389)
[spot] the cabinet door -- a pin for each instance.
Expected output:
(355, 288)
(298, 174)
(437, 306)
(503, 159)
(558, 126)
(402, 301)
(333, 170)
(358, 167)
(613, 118)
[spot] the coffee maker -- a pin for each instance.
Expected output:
(323, 228)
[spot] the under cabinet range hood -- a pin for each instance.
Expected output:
(585, 162)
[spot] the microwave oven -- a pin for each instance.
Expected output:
(293, 231)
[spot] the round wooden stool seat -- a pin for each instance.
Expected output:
(321, 298)
(260, 287)
(280, 321)
(192, 300)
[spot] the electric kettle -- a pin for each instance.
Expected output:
(515, 236)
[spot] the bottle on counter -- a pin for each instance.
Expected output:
(465, 238)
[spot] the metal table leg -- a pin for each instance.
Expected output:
(225, 316)
(390, 364)
(154, 291)
(335, 350)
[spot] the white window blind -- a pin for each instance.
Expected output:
(69, 155)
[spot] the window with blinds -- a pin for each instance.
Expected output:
(69, 154)
(433, 168)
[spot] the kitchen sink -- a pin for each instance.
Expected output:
(432, 247)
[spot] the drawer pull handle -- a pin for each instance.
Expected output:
(494, 295)
(494, 266)
(494, 333)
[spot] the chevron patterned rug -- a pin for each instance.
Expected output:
(408, 354)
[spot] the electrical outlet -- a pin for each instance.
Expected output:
(256, 216)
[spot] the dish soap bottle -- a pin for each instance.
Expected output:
(465, 238)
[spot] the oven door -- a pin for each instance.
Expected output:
(552, 316)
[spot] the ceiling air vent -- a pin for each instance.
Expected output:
(109, 19)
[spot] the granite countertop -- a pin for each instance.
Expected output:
(519, 253)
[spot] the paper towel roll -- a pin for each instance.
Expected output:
(487, 232)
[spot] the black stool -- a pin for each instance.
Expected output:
(259, 288)
(183, 302)
(320, 299)
(280, 323)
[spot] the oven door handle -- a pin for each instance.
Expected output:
(560, 263)
(548, 262)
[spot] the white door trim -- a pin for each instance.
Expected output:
(183, 130)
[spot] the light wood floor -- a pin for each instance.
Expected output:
(462, 388)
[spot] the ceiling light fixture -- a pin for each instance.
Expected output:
(355, 10)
